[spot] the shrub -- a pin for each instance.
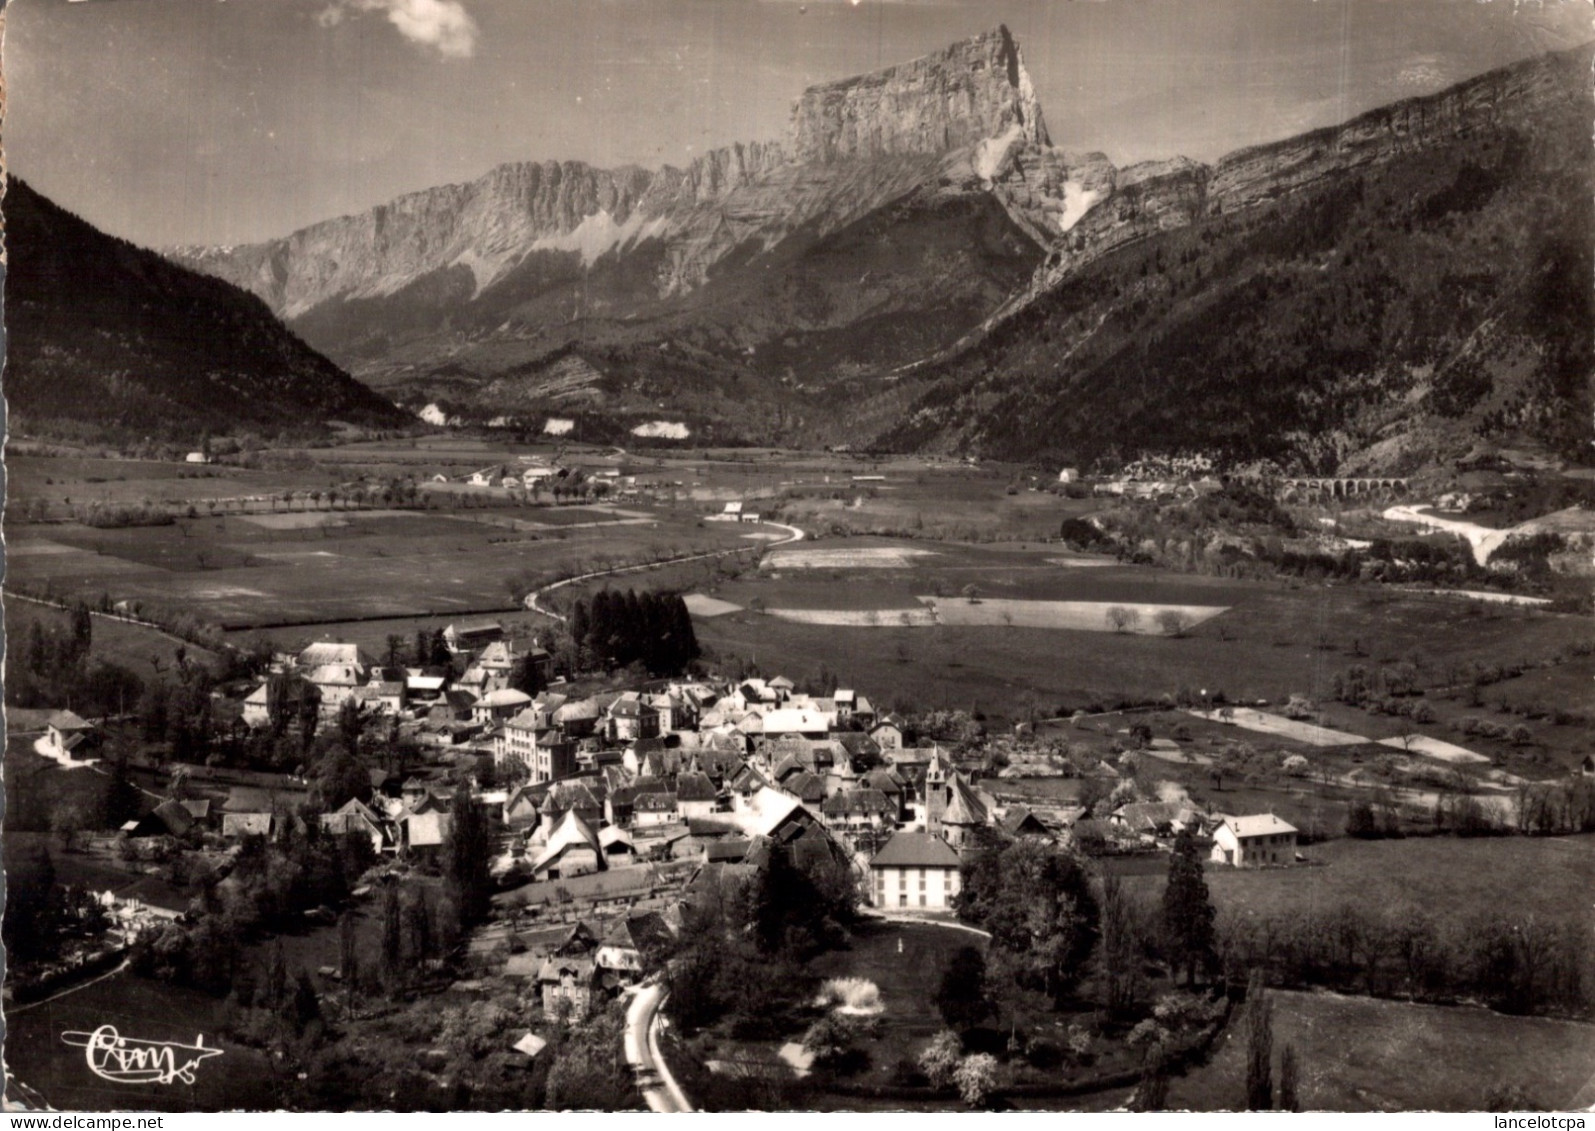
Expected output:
(939, 1059)
(976, 1077)
(850, 995)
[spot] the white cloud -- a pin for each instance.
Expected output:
(444, 25)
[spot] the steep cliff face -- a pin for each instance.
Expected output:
(853, 145)
(972, 91)
(1382, 297)
(1515, 96)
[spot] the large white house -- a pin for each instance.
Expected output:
(1250, 842)
(914, 870)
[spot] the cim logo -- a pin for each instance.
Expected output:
(128, 1060)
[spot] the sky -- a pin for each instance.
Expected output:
(228, 121)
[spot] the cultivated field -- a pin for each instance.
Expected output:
(244, 571)
(1362, 1054)
(1280, 727)
(871, 557)
(1274, 640)
(1081, 616)
(1443, 877)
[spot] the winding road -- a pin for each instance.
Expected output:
(535, 605)
(641, 1043)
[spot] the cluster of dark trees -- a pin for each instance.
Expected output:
(1516, 963)
(268, 888)
(1047, 921)
(41, 913)
(1040, 909)
(652, 629)
(53, 668)
(744, 940)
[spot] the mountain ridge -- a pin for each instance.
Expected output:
(767, 273)
(107, 338)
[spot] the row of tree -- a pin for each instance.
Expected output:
(653, 629)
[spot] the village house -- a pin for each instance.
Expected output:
(631, 719)
(914, 870)
(578, 718)
(257, 707)
(857, 810)
(354, 818)
(335, 684)
(471, 636)
(650, 810)
(888, 735)
(497, 706)
(1156, 820)
(1254, 841)
(423, 688)
(424, 826)
(1020, 823)
(520, 809)
(566, 982)
(797, 721)
(67, 737)
(573, 849)
(696, 796)
(626, 947)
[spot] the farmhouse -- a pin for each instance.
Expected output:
(470, 635)
(1254, 841)
(326, 652)
(573, 850)
(65, 734)
(914, 869)
(354, 818)
(696, 796)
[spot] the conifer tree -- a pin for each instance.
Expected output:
(1187, 909)
(1259, 1046)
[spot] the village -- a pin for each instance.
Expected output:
(628, 785)
(734, 831)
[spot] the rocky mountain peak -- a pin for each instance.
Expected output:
(973, 90)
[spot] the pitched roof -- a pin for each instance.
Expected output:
(1019, 819)
(68, 720)
(1261, 824)
(327, 652)
(910, 848)
(635, 932)
(963, 807)
(695, 787)
(729, 850)
(862, 801)
(884, 780)
(796, 720)
(175, 816)
(805, 787)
